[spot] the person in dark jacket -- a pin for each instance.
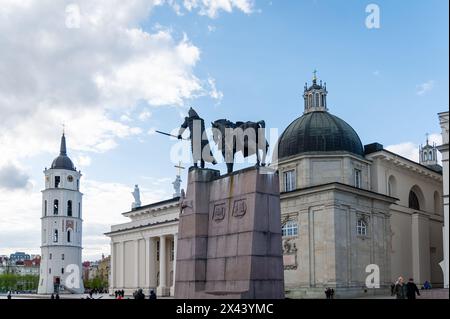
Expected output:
(392, 289)
(139, 295)
(411, 290)
(400, 289)
(152, 295)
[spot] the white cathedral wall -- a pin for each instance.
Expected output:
(329, 252)
(312, 170)
(416, 243)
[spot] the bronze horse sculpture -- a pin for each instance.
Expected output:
(246, 137)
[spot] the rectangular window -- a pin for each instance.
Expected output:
(50, 256)
(49, 270)
(62, 256)
(172, 251)
(157, 250)
(289, 181)
(62, 271)
(358, 178)
(45, 208)
(57, 181)
(69, 208)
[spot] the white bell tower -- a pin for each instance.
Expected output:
(61, 221)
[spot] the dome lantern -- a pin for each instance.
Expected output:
(315, 96)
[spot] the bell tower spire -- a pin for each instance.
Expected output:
(62, 148)
(315, 96)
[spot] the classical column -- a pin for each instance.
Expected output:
(162, 288)
(174, 265)
(420, 247)
(112, 284)
(136, 263)
(122, 249)
(150, 263)
(147, 262)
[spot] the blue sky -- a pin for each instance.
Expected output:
(261, 61)
(387, 83)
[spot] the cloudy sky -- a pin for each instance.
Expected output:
(114, 71)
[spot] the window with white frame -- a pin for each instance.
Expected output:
(289, 180)
(361, 227)
(290, 229)
(358, 178)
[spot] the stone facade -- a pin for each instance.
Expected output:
(230, 236)
(143, 250)
(443, 119)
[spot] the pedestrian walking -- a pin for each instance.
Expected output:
(412, 290)
(400, 289)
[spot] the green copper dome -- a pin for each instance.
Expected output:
(318, 132)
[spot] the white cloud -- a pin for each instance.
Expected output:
(83, 161)
(211, 8)
(81, 76)
(214, 93)
(144, 115)
(410, 150)
(424, 88)
(12, 177)
(211, 28)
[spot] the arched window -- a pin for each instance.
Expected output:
(322, 101)
(79, 210)
(290, 228)
(69, 235)
(392, 186)
(413, 201)
(430, 156)
(69, 208)
(55, 207)
(45, 208)
(55, 236)
(361, 227)
(57, 181)
(309, 100)
(317, 100)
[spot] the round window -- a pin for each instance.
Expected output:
(70, 178)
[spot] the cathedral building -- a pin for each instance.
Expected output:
(348, 211)
(61, 221)
(345, 207)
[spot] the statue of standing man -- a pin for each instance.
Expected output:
(200, 148)
(137, 197)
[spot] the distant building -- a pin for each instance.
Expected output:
(20, 267)
(19, 256)
(97, 269)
